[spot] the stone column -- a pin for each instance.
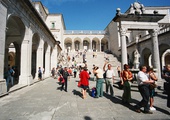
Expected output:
(40, 52)
(26, 49)
(54, 57)
(73, 47)
(47, 62)
(90, 49)
(81, 46)
(100, 46)
(155, 52)
(123, 47)
(3, 16)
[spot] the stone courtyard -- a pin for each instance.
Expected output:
(44, 101)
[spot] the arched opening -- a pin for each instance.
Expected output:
(85, 44)
(77, 45)
(167, 58)
(44, 54)
(164, 51)
(35, 44)
(104, 45)
(14, 36)
(145, 57)
(94, 45)
(68, 45)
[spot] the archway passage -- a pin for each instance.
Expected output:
(14, 36)
(104, 45)
(44, 54)
(85, 45)
(146, 53)
(167, 58)
(35, 44)
(77, 45)
(164, 53)
(96, 44)
(68, 45)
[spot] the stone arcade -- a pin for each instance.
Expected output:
(31, 37)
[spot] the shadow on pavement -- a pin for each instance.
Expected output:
(87, 118)
(118, 100)
(77, 93)
(161, 96)
(162, 110)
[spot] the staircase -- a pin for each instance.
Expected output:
(98, 61)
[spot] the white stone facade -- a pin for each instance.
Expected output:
(35, 46)
(37, 38)
(85, 40)
(150, 39)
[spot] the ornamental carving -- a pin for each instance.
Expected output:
(137, 8)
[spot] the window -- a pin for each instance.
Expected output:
(53, 25)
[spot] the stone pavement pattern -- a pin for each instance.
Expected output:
(43, 101)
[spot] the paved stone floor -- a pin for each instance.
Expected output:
(44, 101)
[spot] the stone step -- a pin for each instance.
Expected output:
(99, 60)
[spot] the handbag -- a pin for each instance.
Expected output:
(63, 81)
(152, 86)
(79, 84)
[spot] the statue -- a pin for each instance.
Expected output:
(136, 59)
(137, 8)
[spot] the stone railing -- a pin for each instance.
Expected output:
(164, 30)
(148, 36)
(86, 32)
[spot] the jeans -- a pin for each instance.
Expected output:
(99, 87)
(9, 78)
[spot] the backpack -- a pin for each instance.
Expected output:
(104, 74)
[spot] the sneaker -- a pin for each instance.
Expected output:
(152, 108)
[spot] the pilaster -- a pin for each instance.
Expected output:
(26, 78)
(54, 57)
(47, 62)
(155, 51)
(73, 47)
(3, 16)
(123, 47)
(40, 57)
(100, 46)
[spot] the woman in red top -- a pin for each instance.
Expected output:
(84, 79)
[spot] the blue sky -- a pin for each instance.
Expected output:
(92, 14)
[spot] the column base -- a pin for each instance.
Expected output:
(46, 75)
(136, 65)
(3, 87)
(25, 80)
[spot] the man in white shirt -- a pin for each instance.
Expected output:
(109, 78)
(143, 86)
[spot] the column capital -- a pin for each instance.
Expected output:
(123, 31)
(154, 32)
